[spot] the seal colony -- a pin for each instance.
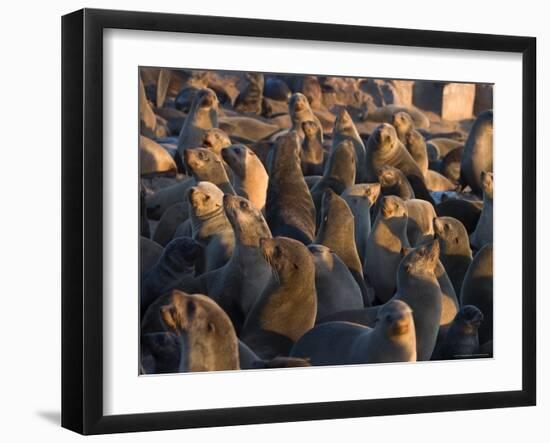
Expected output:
(293, 221)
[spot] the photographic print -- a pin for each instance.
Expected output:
(297, 220)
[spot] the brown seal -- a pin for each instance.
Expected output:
(384, 148)
(289, 208)
(339, 174)
(336, 288)
(420, 221)
(250, 178)
(300, 111)
(337, 232)
(478, 152)
(403, 124)
(344, 129)
(461, 338)
(312, 154)
(465, 211)
(415, 144)
(288, 304)
(477, 290)
(338, 343)
(202, 116)
(154, 159)
(388, 237)
(215, 139)
(456, 254)
(237, 285)
(210, 226)
(393, 182)
(249, 100)
(209, 342)
(484, 229)
(360, 199)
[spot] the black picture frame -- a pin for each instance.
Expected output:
(82, 218)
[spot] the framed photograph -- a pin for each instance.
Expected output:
(269, 221)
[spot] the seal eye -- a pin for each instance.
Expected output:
(201, 155)
(210, 327)
(244, 205)
(206, 197)
(238, 151)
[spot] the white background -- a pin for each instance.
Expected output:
(30, 181)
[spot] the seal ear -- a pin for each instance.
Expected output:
(168, 316)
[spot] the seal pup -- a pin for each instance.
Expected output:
(300, 111)
(338, 343)
(336, 288)
(289, 208)
(456, 254)
(461, 338)
(249, 100)
(383, 254)
(237, 285)
(176, 261)
(420, 221)
(484, 229)
(250, 178)
(339, 174)
(337, 232)
(288, 304)
(210, 226)
(478, 152)
(208, 337)
(344, 129)
(312, 155)
(202, 116)
(384, 148)
(360, 199)
(477, 290)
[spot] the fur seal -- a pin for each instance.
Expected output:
(203, 115)
(288, 304)
(384, 148)
(208, 339)
(484, 229)
(176, 261)
(360, 199)
(289, 208)
(393, 182)
(344, 129)
(154, 159)
(149, 253)
(417, 285)
(437, 182)
(416, 146)
(250, 178)
(210, 226)
(312, 154)
(383, 255)
(246, 129)
(445, 145)
(339, 174)
(336, 288)
(300, 111)
(403, 124)
(386, 113)
(477, 290)
(478, 152)
(450, 165)
(249, 100)
(461, 338)
(465, 211)
(456, 254)
(237, 285)
(337, 343)
(215, 139)
(420, 221)
(169, 222)
(337, 232)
